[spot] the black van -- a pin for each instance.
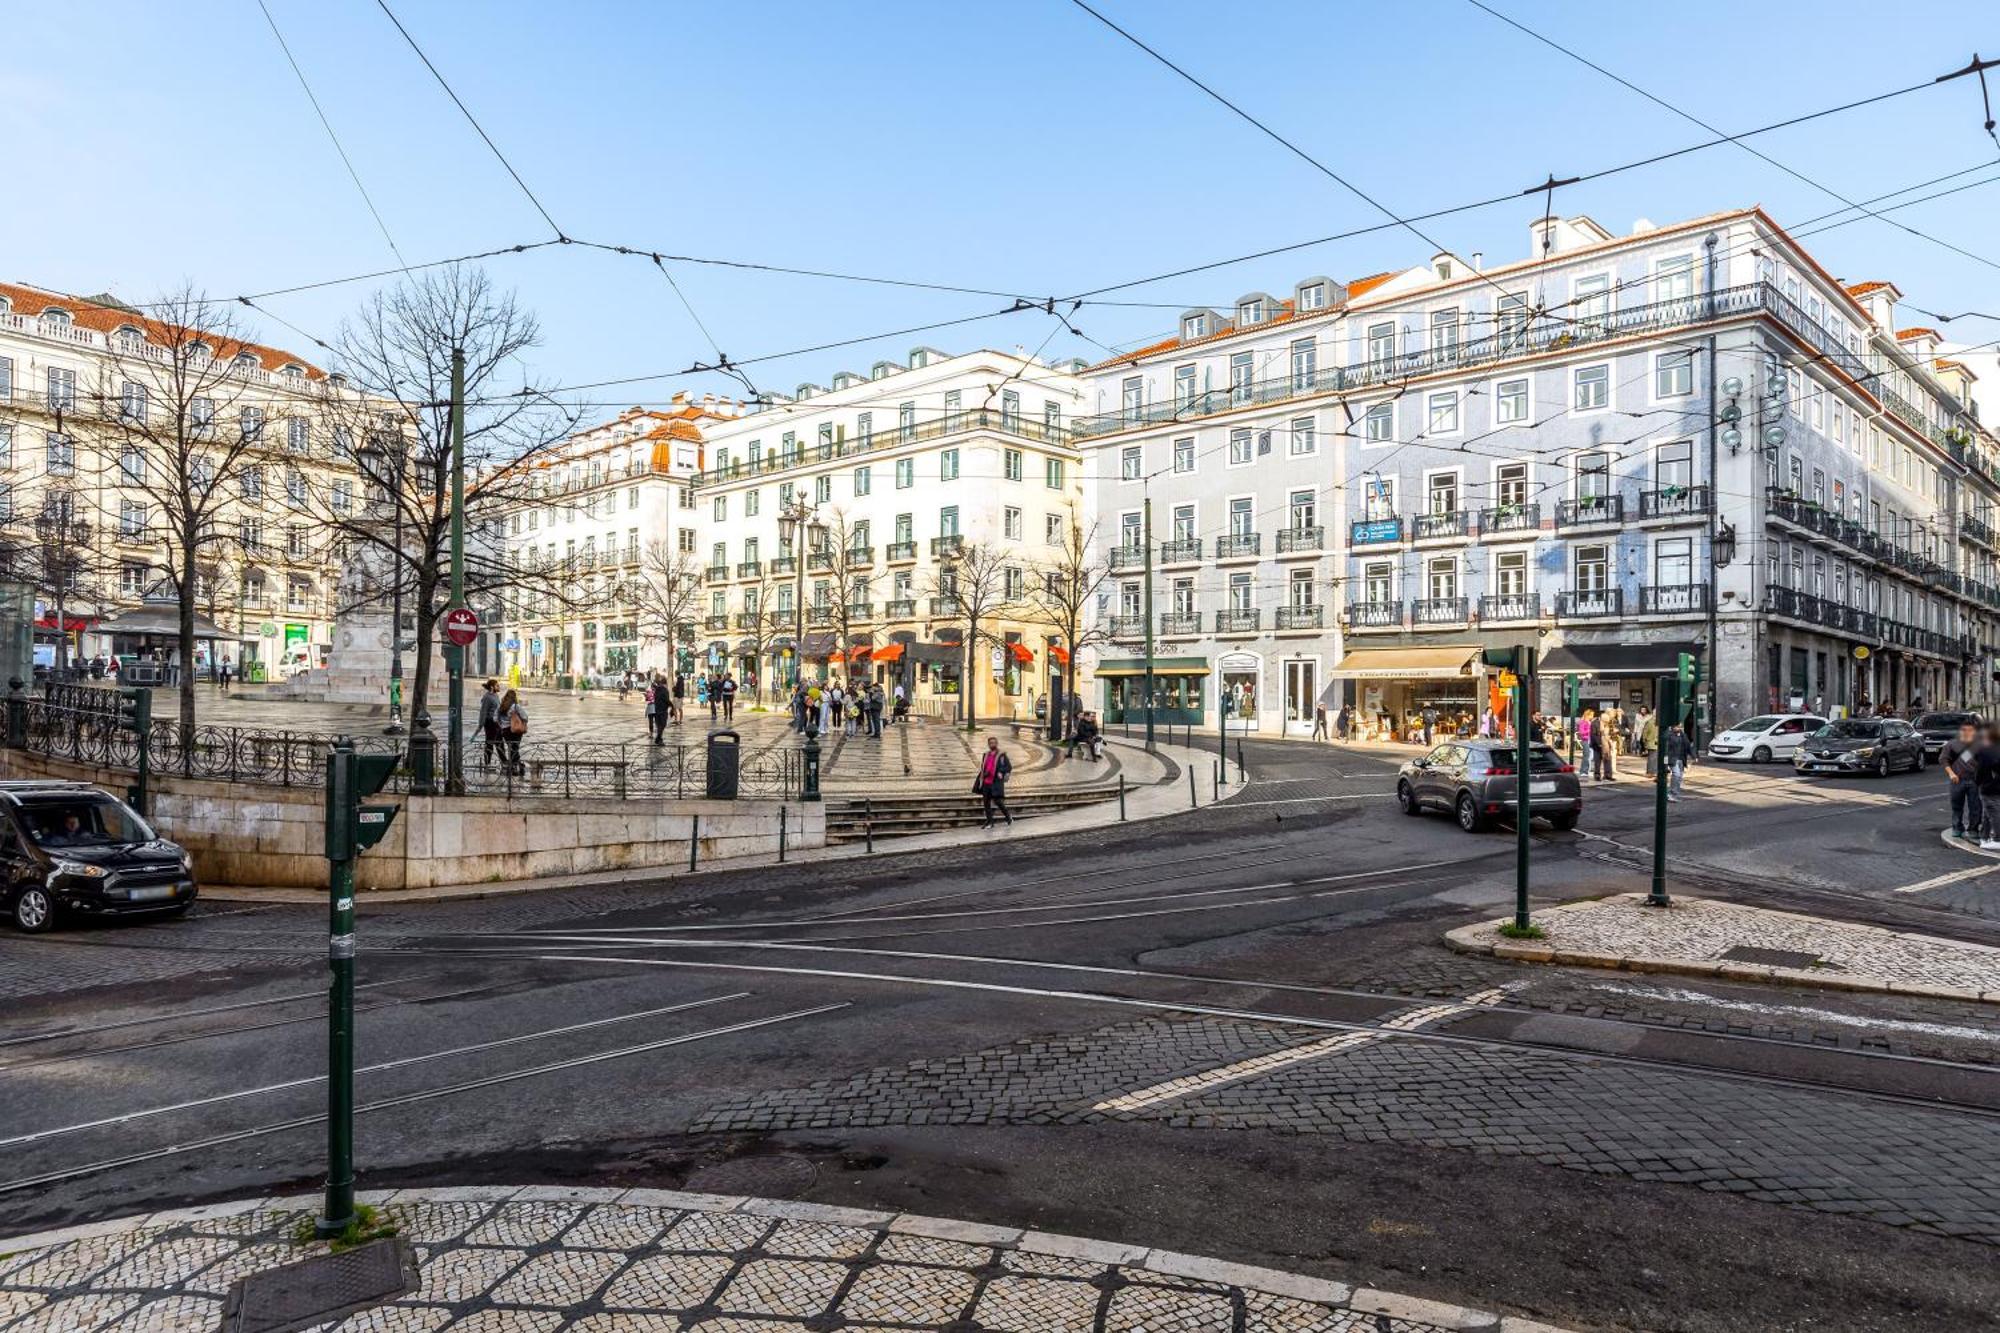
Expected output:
(69, 847)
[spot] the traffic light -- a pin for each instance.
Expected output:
(135, 709)
(351, 827)
(371, 822)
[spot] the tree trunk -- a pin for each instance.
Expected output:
(965, 687)
(426, 591)
(186, 636)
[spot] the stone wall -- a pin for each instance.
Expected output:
(273, 837)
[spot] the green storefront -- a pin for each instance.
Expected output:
(1179, 684)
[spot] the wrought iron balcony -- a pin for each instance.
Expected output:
(1237, 545)
(1128, 557)
(819, 560)
(861, 610)
(1237, 622)
(715, 624)
(1302, 617)
(1976, 528)
(1675, 502)
(946, 606)
(1510, 606)
(1587, 509)
(716, 572)
(1300, 541)
(1375, 615)
(1509, 518)
(1126, 628)
(900, 608)
(785, 564)
(1440, 525)
(819, 615)
(1438, 611)
(860, 557)
(1180, 624)
(1008, 423)
(1180, 552)
(749, 569)
(1375, 531)
(900, 551)
(954, 542)
(1590, 604)
(1673, 599)
(747, 619)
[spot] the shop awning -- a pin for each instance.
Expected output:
(860, 654)
(818, 645)
(746, 645)
(1162, 666)
(1616, 659)
(74, 624)
(1058, 654)
(888, 653)
(1022, 653)
(946, 654)
(162, 620)
(1407, 663)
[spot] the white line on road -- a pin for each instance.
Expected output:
(1315, 800)
(1191, 1085)
(1956, 876)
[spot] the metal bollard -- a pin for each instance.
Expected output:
(868, 823)
(1215, 783)
(694, 842)
(1193, 800)
(781, 835)
(1121, 798)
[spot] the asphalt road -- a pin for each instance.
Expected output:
(1235, 1032)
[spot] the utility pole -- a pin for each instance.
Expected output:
(1524, 682)
(395, 727)
(1148, 538)
(454, 770)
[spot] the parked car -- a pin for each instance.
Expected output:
(1762, 739)
(1938, 728)
(1878, 745)
(71, 848)
(1475, 780)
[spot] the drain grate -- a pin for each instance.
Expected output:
(1743, 953)
(322, 1289)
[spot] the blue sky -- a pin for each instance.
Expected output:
(1019, 147)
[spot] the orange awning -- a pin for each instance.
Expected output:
(1059, 653)
(1022, 653)
(890, 652)
(860, 654)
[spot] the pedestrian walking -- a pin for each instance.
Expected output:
(489, 721)
(1429, 718)
(1960, 761)
(991, 784)
(875, 710)
(1319, 722)
(1986, 776)
(902, 705)
(728, 697)
(1605, 734)
(1586, 731)
(513, 727)
(679, 696)
(1675, 748)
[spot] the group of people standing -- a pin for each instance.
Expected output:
(856, 708)
(503, 722)
(1971, 763)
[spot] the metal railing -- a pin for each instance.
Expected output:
(1438, 611)
(1375, 615)
(1302, 617)
(1510, 518)
(1006, 423)
(749, 569)
(1238, 544)
(952, 542)
(1237, 622)
(1437, 526)
(1128, 627)
(1674, 502)
(1294, 541)
(900, 608)
(1180, 624)
(902, 550)
(1180, 551)
(1673, 598)
(1510, 606)
(1590, 509)
(1595, 603)
(1128, 557)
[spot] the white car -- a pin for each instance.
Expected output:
(1762, 739)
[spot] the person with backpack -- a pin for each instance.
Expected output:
(513, 726)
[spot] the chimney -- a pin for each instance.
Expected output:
(1478, 261)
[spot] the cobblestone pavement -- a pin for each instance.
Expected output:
(1705, 934)
(640, 1261)
(1935, 1171)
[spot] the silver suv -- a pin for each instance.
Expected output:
(1475, 781)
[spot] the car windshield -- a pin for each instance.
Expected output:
(83, 821)
(1757, 724)
(1850, 729)
(1945, 721)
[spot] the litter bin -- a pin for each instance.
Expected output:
(725, 753)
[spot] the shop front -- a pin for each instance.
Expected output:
(1621, 675)
(1178, 689)
(1394, 687)
(1239, 685)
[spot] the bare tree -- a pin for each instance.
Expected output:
(185, 417)
(60, 563)
(394, 431)
(666, 594)
(970, 583)
(844, 562)
(1060, 595)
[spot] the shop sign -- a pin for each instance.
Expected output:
(1377, 530)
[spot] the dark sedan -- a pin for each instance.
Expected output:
(1475, 780)
(67, 848)
(1938, 728)
(1878, 745)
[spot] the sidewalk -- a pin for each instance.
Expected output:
(544, 1259)
(1702, 937)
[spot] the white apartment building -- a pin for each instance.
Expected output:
(892, 475)
(614, 507)
(73, 375)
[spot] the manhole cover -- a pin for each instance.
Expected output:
(322, 1289)
(1743, 953)
(758, 1177)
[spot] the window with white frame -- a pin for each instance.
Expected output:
(1299, 590)
(1304, 440)
(1673, 374)
(1305, 364)
(1183, 523)
(1442, 410)
(1592, 568)
(1303, 509)
(1379, 426)
(1441, 577)
(1184, 454)
(1510, 573)
(1312, 296)
(1182, 597)
(1010, 464)
(1673, 562)
(906, 473)
(1673, 278)
(1441, 493)
(1184, 388)
(1010, 523)
(1242, 517)
(1129, 463)
(721, 508)
(131, 518)
(1510, 320)
(1133, 396)
(1444, 333)
(1131, 535)
(1593, 475)
(1510, 402)
(1052, 473)
(864, 482)
(1241, 593)
(1052, 530)
(62, 389)
(1591, 301)
(1674, 466)
(823, 486)
(1381, 342)
(59, 454)
(1378, 498)
(1378, 582)
(1510, 485)
(1593, 388)
(1239, 447)
(948, 465)
(1242, 376)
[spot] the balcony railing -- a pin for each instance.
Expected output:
(1128, 557)
(1589, 604)
(1181, 551)
(1375, 532)
(1237, 622)
(1441, 525)
(715, 624)
(749, 569)
(1374, 615)
(860, 557)
(945, 606)
(900, 551)
(900, 608)
(718, 572)
(1128, 627)
(1438, 611)
(1510, 606)
(1674, 502)
(785, 564)
(1510, 518)
(861, 610)
(1007, 423)
(1975, 528)
(747, 619)
(1663, 599)
(819, 560)
(1180, 624)
(819, 616)
(1297, 541)
(1302, 617)
(954, 542)
(1590, 509)
(1237, 545)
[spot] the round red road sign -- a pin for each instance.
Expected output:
(461, 626)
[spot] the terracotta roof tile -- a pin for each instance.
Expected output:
(1903, 335)
(87, 314)
(1863, 288)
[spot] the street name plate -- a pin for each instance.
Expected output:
(322, 1289)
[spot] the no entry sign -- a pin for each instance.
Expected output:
(461, 626)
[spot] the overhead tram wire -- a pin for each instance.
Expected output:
(327, 125)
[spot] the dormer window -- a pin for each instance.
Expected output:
(245, 361)
(295, 371)
(919, 358)
(1313, 296)
(129, 338)
(56, 318)
(6, 306)
(1250, 312)
(1194, 326)
(1444, 270)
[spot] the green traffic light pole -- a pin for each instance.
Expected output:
(1524, 667)
(338, 1213)
(454, 656)
(1668, 699)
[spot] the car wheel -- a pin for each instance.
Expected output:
(1407, 795)
(1761, 755)
(1562, 823)
(34, 911)
(1882, 765)
(1923, 759)
(1469, 817)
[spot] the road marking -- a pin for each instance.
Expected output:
(1315, 800)
(1954, 877)
(428, 1094)
(1193, 1085)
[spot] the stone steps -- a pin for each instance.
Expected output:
(848, 820)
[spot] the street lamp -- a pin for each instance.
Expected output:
(795, 525)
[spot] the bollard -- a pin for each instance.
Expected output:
(1121, 798)
(781, 835)
(1193, 800)
(1240, 770)
(868, 823)
(694, 842)
(1215, 784)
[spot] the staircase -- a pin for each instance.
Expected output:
(901, 816)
